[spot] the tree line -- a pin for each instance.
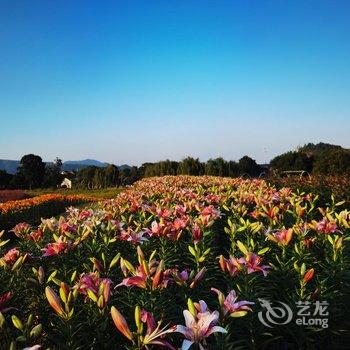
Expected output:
(34, 173)
(321, 158)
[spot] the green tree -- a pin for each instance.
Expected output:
(53, 175)
(111, 176)
(248, 166)
(334, 162)
(32, 168)
(85, 177)
(298, 160)
(5, 179)
(233, 169)
(190, 166)
(216, 167)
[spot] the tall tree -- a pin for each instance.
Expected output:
(32, 168)
(111, 176)
(190, 166)
(53, 175)
(248, 166)
(5, 179)
(334, 162)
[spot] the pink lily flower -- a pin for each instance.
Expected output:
(199, 325)
(163, 213)
(11, 256)
(4, 299)
(253, 261)
(326, 226)
(154, 332)
(230, 306)
(197, 233)
(65, 227)
(132, 236)
(56, 248)
(21, 229)
(232, 265)
(250, 263)
(147, 274)
(282, 237)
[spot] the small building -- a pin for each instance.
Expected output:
(67, 183)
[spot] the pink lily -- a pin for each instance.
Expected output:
(230, 306)
(326, 226)
(282, 237)
(253, 261)
(11, 256)
(197, 233)
(200, 324)
(56, 248)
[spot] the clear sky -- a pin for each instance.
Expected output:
(134, 81)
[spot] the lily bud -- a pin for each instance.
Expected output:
(121, 323)
(191, 307)
(138, 317)
(222, 262)
(308, 275)
(158, 277)
(35, 332)
(54, 301)
(198, 277)
(141, 256)
(97, 265)
(64, 290)
(41, 275)
(17, 322)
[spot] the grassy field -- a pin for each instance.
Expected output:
(103, 193)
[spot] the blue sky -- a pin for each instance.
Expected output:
(134, 81)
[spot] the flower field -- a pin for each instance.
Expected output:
(12, 195)
(181, 262)
(30, 209)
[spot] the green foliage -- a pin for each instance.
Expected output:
(94, 177)
(32, 169)
(53, 175)
(292, 161)
(334, 162)
(5, 179)
(249, 167)
(190, 166)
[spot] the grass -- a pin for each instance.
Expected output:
(103, 193)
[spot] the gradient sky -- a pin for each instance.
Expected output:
(134, 81)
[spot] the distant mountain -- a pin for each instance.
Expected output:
(81, 164)
(124, 166)
(11, 165)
